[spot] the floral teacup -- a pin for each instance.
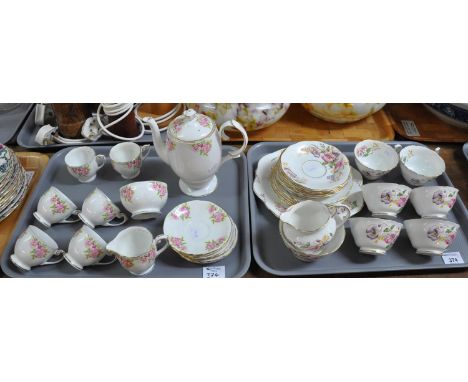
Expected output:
(420, 164)
(374, 159)
(34, 247)
(98, 209)
(144, 199)
(433, 202)
(374, 236)
(55, 207)
(127, 158)
(86, 248)
(431, 236)
(136, 249)
(82, 163)
(385, 199)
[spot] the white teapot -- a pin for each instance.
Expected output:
(193, 149)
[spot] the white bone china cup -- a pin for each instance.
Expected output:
(98, 209)
(385, 199)
(33, 248)
(136, 249)
(431, 236)
(144, 199)
(374, 159)
(374, 236)
(420, 164)
(127, 158)
(83, 163)
(55, 207)
(86, 248)
(434, 202)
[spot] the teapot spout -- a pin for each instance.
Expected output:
(158, 143)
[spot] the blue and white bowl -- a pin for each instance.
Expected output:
(455, 114)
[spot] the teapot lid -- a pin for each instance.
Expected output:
(191, 126)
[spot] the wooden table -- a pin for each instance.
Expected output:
(457, 169)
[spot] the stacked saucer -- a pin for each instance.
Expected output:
(200, 232)
(307, 171)
(13, 182)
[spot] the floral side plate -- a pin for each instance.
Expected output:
(315, 165)
(350, 196)
(197, 227)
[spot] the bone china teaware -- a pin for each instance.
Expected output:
(342, 112)
(136, 249)
(193, 150)
(83, 163)
(374, 159)
(385, 199)
(431, 236)
(86, 248)
(420, 164)
(127, 158)
(34, 247)
(55, 207)
(310, 225)
(144, 199)
(433, 202)
(374, 236)
(98, 209)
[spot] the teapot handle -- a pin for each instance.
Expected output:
(340, 213)
(236, 125)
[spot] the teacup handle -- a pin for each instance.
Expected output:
(340, 213)
(398, 148)
(106, 263)
(120, 215)
(58, 252)
(145, 150)
(157, 240)
(234, 153)
(100, 158)
(437, 150)
(76, 212)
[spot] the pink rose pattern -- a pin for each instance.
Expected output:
(442, 235)
(128, 263)
(125, 261)
(442, 198)
(58, 205)
(213, 244)
(330, 157)
(216, 214)
(109, 212)
(182, 213)
(136, 164)
(203, 148)
(81, 171)
(177, 124)
(127, 193)
(160, 189)
(383, 232)
(93, 250)
(170, 145)
(203, 120)
(38, 249)
(314, 246)
(365, 151)
(178, 242)
(394, 198)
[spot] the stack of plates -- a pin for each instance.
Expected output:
(200, 232)
(307, 171)
(13, 182)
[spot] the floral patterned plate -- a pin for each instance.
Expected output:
(197, 227)
(351, 196)
(315, 165)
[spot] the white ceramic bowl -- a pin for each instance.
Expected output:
(144, 199)
(431, 236)
(385, 199)
(374, 159)
(342, 112)
(420, 164)
(374, 236)
(433, 202)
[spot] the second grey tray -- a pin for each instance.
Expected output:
(28, 133)
(272, 255)
(11, 121)
(231, 195)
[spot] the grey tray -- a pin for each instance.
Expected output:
(231, 195)
(28, 132)
(12, 120)
(272, 256)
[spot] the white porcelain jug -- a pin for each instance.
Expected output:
(193, 149)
